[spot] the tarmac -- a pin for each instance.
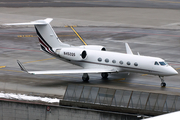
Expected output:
(98, 16)
(22, 44)
(150, 31)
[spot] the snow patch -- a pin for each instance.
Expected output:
(29, 98)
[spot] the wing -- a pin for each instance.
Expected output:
(66, 71)
(168, 116)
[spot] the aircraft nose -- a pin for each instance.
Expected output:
(173, 71)
(176, 72)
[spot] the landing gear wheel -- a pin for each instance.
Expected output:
(85, 77)
(104, 75)
(163, 84)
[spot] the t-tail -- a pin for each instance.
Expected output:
(48, 39)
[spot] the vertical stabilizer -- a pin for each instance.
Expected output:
(47, 37)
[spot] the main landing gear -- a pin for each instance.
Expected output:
(163, 84)
(104, 75)
(85, 77)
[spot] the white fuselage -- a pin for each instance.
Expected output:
(120, 62)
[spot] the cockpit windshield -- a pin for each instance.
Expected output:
(156, 63)
(162, 63)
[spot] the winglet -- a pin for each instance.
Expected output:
(128, 49)
(21, 66)
(138, 53)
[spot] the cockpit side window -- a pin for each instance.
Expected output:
(156, 63)
(162, 63)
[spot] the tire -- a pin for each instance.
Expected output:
(104, 75)
(85, 79)
(163, 84)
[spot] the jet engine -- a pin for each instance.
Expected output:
(72, 53)
(94, 47)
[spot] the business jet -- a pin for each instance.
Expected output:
(94, 58)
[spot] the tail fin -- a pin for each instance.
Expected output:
(46, 35)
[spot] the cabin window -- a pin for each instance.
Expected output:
(114, 61)
(128, 63)
(106, 60)
(99, 59)
(162, 63)
(156, 63)
(135, 64)
(121, 62)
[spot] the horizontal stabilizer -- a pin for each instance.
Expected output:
(128, 49)
(37, 22)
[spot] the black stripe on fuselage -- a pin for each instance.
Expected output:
(44, 49)
(39, 35)
(45, 46)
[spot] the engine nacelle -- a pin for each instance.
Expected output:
(94, 47)
(72, 53)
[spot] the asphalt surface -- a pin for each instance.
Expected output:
(22, 44)
(151, 27)
(95, 16)
(160, 4)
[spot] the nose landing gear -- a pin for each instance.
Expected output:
(163, 84)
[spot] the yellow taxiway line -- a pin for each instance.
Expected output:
(38, 60)
(119, 79)
(11, 70)
(78, 35)
(2, 66)
(144, 74)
